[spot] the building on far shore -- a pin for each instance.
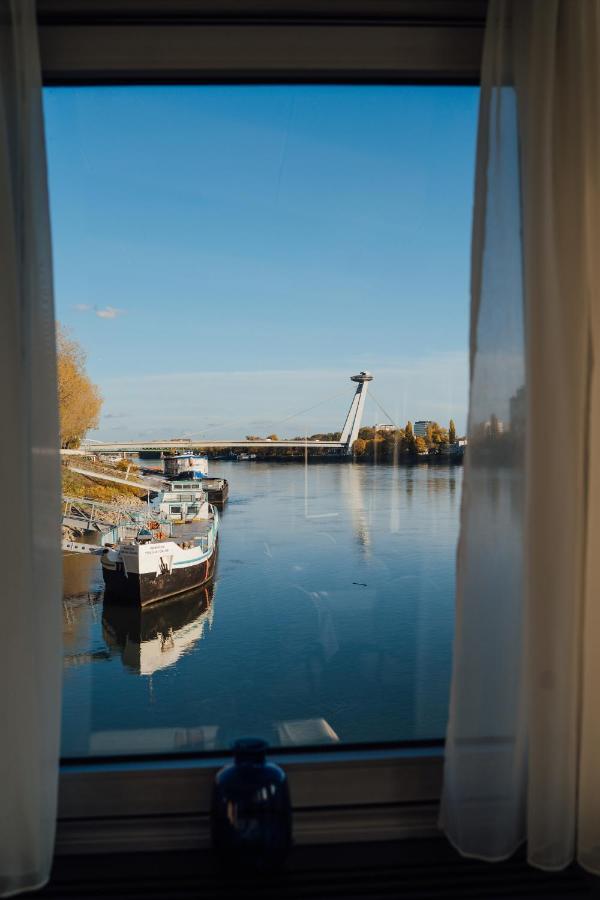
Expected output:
(420, 427)
(385, 428)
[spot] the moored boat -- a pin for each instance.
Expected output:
(155, 565)
(186, 465)
(217, 489)
(182, 502)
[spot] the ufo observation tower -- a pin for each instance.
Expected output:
(355, 413)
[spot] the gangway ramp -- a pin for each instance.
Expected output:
(108, 520)
(148, 484)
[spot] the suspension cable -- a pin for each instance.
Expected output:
(270, 422)
(386, 414)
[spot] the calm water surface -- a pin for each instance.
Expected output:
(331, 617)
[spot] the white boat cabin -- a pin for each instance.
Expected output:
(184, 501)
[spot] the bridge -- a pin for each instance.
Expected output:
(344, 445)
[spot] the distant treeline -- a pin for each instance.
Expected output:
(402, 443)
(389, 445)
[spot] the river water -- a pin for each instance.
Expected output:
(330, 618)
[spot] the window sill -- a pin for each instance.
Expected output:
(341, 797)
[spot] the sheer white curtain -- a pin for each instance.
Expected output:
(30, 594)
(523, 743)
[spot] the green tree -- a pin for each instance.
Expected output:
(452, 432)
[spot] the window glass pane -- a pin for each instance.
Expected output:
(311, 234)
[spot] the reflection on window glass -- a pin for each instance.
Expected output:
(263, 303)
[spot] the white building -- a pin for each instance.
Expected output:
(385, 428)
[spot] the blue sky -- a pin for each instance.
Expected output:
(228, 256)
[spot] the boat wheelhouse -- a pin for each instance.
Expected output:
(182, 501)
(187, 465)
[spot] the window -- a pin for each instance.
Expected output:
(322, 220)
(313, 516)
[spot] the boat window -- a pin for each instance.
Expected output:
(326, 237)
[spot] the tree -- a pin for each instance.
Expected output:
(420, 445)
(409, 438)
(125, 465)
(272, 437)
(366, 433)
(359, 446)
(452, 432)
(439, 435)
(79, 399)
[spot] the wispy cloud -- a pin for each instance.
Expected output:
(106, 312)
(109, 312)
(115, 415)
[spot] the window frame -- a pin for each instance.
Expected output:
(339, 793)
(261, 41)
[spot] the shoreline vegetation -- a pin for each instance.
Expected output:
(398, 446)
(76, 485)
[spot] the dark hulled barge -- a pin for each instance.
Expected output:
(217, 489)
(157, 564)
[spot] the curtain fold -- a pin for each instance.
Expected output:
(30, 662)
(524, 728)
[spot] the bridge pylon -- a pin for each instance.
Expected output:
(355, 413)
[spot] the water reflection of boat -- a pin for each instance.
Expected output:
(155, 637)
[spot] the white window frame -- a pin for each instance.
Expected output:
(341, 794)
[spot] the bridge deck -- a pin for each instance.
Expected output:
(128, 446)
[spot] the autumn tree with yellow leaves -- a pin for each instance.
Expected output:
(79, 399)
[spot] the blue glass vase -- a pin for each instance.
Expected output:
(251, 815)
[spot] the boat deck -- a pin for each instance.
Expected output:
(192, 532)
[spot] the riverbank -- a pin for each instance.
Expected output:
(121, 497)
